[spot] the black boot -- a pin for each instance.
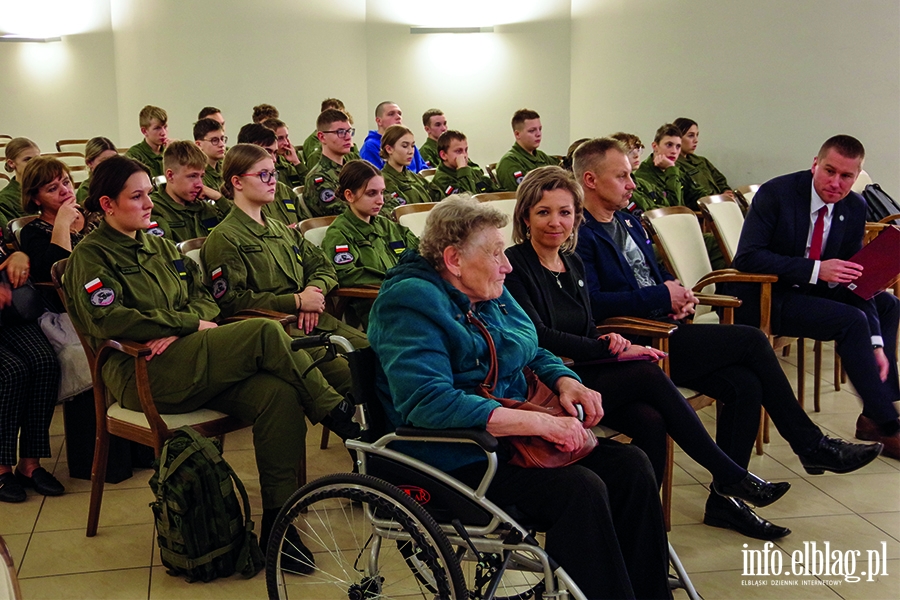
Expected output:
(295, 556)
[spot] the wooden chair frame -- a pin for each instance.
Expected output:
(61, 143)
(491, 196)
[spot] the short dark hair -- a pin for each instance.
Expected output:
(206, 111)
(38, 172)
(254, 133)
(667, 130)
(451, 135)
(109, 178)
(331, 103)
(522, 115)
(329, 116)
(205, 126)
(567, 159)
(273, 123)
(431, 112)
(261, 112)
(683, 124)
(591, 153)
(845, 145)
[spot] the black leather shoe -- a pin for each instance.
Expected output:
(42, 481)
(10, 489)
(753, 490)
(838, 456)
(340, 420)
(295, 556)
(731, 513)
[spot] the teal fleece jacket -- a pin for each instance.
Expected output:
(432, 360)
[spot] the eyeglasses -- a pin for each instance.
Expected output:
(343, 132)
(264, 176)
(217, 140)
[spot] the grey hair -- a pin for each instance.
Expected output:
(453, 222)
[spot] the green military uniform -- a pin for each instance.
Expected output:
(708, 178)
(320, 189)
(469, 179)
(262, 266)
(83, 191)
(362, 252)
(286, 206)
(212, 176)
(179, 222)
(145, 155)
(290, 174)
(517, 162)
(10, 202)
(142, 289)
(402, 188)
(312, 151)
(429, 153)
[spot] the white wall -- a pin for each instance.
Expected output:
(768, 81)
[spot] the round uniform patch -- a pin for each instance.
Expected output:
(326, 196)
(342, 258)
(519, 179)
(156, 231)
(220, 286)
(401, 201)
(103, 297)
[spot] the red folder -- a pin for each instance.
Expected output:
(880, 259)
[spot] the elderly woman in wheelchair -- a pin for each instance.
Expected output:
(600, 517)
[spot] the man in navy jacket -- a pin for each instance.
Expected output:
(779, 237)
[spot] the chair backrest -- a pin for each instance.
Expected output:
(727, 221)
(57, 272)
(9, 582)
(679, 239)
(71, 146)
(428, 174)
(314, 229)
(191, 249)
(492, 173)
(14, 229)
(73, 160)
(508, 207)
(299, 190)
(413, 216)
(79, 175)
(492, 196)
(861, 182)
(747, 192)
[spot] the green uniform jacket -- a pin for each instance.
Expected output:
(212, 177)
(289, 174)
(137, 289)
(402, 188)
(469, 179)
(285, 207)
(320, 190)
(312, 151)
(517, 162)
(83, 191)
(145, 155)
(255, 266)
(708, 178)
(10, 202)
(429, 152)
(179, 222)
(668, 188)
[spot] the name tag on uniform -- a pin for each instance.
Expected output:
(129, 270)
(247, 248)
(179, 268)
(398, 247)
(176, 223)
(298, 255)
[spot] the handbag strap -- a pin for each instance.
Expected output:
(490, 381)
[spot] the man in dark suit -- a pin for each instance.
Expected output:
(803, 227)
(732, 363)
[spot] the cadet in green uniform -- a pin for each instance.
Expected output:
(255, 262)
(312, 147)
(179, 212)
(155, 129)
(209, 135)
(402, 186)
(524, 155)
(18, 152)
(124, 284)
(435, 124)
(456, 173)
(291, 168)
(708, 178)
(361, 243)
(96, 151)
(320, 190)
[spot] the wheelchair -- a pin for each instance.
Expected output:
(399, 528)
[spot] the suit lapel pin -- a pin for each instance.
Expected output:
(628, 223)
(840, 217)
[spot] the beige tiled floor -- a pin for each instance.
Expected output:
(858, 511)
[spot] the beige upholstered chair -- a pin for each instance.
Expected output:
(413, 216)
(314, 229)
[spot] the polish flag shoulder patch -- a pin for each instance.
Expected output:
(93, 285)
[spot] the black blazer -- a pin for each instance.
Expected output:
(529, 286)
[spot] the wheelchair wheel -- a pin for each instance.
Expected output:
(352, 560)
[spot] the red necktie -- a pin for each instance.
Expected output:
(815, 246)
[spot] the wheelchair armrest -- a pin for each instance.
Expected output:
(486, 441)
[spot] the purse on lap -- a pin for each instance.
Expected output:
(530, 451)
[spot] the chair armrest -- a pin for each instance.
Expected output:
(284, 319)
(135, 349)
(733, 276)
(486, 441)
(638, 329)
(718, 300)
(364, 291)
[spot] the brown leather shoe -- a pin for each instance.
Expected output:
(867, 429)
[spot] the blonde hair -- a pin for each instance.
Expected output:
(15, 147)
(95, 147)
(453, 222)
(150, 112)
(184, 154)
(530, 192)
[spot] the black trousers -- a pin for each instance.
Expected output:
(641, 402)
(603, 519)
(736, 365)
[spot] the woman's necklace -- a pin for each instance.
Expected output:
(556, 276)
(556, 272)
